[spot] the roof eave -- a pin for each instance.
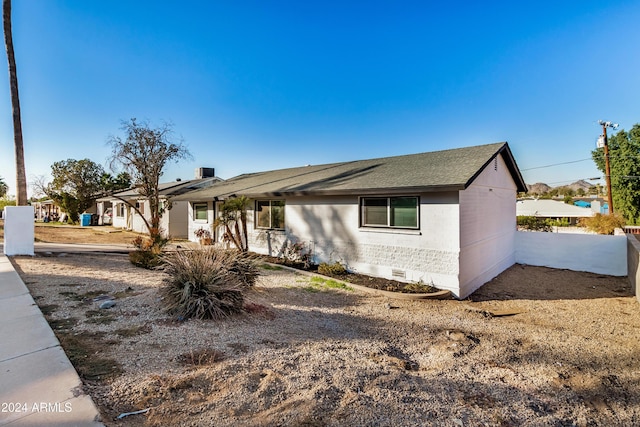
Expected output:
(345, 192)
(510, 161)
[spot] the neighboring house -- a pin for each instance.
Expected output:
(46, 209)
(597, 205)
(554, 209)
(445, 217)
(175, 219)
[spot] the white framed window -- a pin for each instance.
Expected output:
(120, 210)
(200, 211)
(390, 212)
(270, 214)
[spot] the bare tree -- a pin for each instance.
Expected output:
(21, 178)
(144, 153)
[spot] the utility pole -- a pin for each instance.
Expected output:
(614, 126)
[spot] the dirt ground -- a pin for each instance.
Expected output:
(535, 346)
(76, 234)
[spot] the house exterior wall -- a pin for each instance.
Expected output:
(329, 226)
(100, 209)
(194, 224)
(175, 221)
(487, 227)
(120, 221)
(136, 222)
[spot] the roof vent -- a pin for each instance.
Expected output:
(205, 173)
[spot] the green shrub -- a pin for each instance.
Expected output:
(603, 224)
(533, 223)
(335, 269)
(562, 222)
(145, 259)
(207, 284)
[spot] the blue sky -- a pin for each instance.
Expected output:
(263, 85)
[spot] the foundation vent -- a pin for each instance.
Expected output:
(398, 273)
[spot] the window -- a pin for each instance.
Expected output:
(140, 206)
(120, 210)
(270, 214)
(395, 212)
(200, 211)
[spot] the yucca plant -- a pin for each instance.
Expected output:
(244, 266)
(201, 285)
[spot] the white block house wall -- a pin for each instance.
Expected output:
(487, 227)
(465, 238)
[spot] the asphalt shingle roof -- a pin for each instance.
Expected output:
(434, 171)
(169, 189)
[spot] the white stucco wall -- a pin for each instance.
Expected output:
(19, 230)
(175, 221)
(120, 221)
(194, 224)
(487, 227)
(135, 222)
(580, 252)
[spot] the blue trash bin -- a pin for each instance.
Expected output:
(85, 220)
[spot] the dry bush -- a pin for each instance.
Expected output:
(603, 224)
(204, 284)
(148, 253)
(245, 267)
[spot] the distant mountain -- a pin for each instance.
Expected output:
(579, 184)
(541, 188)
(538, 188)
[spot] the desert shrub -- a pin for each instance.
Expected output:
(148, 253)
(334, 269)
(202, 285)
(603, 224)
(419, 288)
(296, 252)
(145, 259)
(533, 223)
(245, 267)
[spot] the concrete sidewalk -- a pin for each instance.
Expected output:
(38, 384)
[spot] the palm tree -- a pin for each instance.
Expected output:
(21, 179)
(3, 187)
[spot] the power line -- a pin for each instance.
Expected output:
(578, 161)
(572, 181)
(556, 164)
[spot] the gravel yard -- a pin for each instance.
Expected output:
(535, 346)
